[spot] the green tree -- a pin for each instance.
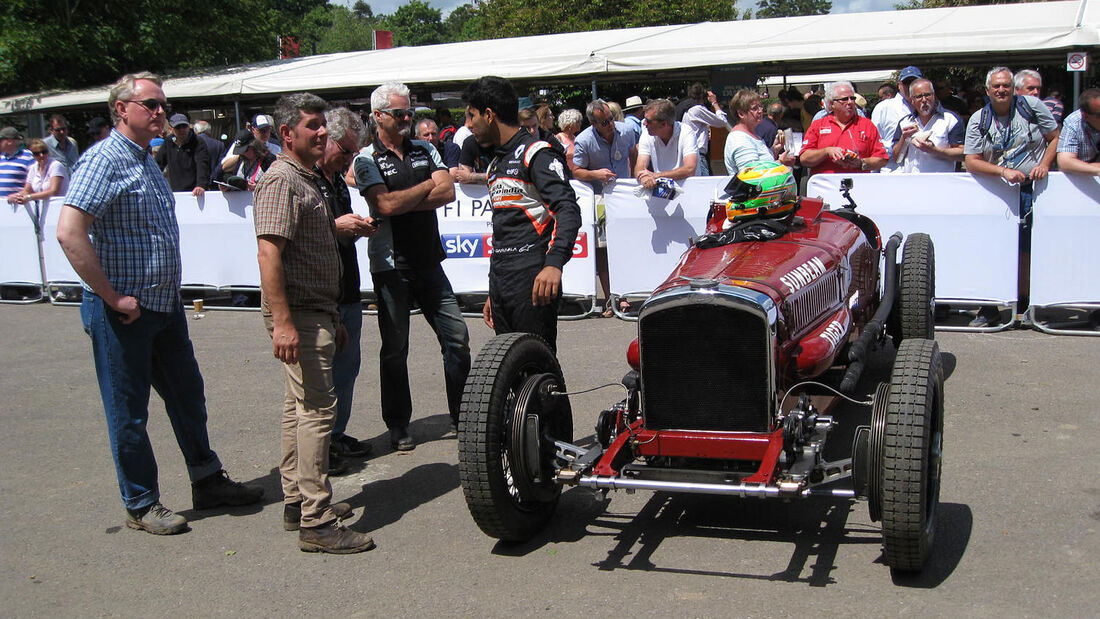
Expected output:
(416, 23)
(47, 44)
(463, 24)
(792, 8)
(510, 18)
(348, 33)
(362, 10)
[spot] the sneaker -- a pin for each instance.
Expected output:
(333, 538)
(292, 514)
(988, 316)
(400, 439)
(217, 490)
(156, 519)
(347, 446)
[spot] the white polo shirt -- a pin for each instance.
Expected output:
(668, 156)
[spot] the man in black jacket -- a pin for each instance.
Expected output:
(184, 158)
(535, 214)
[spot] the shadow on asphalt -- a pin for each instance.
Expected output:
(953, 529)
(385, 501)
(815, 531)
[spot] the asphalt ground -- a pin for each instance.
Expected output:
(1017, 535)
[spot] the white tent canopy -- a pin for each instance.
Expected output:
(992, 34)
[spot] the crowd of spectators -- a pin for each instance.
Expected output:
(819, 131)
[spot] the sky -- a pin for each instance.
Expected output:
(839, 6)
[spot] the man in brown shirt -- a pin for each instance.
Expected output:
(300, 281)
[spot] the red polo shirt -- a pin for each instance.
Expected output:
(860, 136)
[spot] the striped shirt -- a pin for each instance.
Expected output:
(1079, 137)
(288, 204)
(135, 234)
(13, 170)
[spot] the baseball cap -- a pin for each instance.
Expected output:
(10, 133)
(261, 121)
(525, 102)
(632, 102)
(908, 73)
(97, 125)
(243, 140)
(177, 120)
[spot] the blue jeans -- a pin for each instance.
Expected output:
(153, 351)
(432, 291)
(345, 365)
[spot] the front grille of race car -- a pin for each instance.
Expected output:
(707, 359)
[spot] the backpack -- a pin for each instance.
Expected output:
(985, 121)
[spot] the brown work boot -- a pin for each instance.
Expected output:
(333, 538)
(292, 514)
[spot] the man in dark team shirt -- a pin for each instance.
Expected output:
(344, 137)
(404, 181)
(535, 214)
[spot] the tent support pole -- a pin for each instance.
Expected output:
(237, 114)
(1076, 88)
(594, 97)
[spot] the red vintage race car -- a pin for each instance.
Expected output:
(740, 357)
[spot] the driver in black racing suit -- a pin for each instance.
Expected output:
(535, 214)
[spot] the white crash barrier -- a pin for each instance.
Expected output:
(466, 230)
(58, 269)
(973, 221)
(1064, 248)
(218, 242)
(20, 246)
(646, 236)
(217, 239)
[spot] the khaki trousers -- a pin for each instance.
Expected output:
(309, 412)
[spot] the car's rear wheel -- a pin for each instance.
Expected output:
(507, 425)
(907, 478)
(914, 314)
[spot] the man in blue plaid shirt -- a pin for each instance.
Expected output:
(118, 229)
(1079, 142)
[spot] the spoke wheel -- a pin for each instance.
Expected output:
(507, 427)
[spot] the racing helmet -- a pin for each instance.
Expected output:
(764, 189)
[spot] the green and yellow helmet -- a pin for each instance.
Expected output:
(763, 189)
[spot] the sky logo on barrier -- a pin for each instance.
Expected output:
(467, 245)
(473, 245)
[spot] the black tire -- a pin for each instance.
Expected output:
(488, 403)
(914, 309)
(912, 454)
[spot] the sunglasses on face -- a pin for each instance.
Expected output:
(843, 99)
(343, 151)
(398, 112)
(39, 153)
(152, 105)
(603, 123)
